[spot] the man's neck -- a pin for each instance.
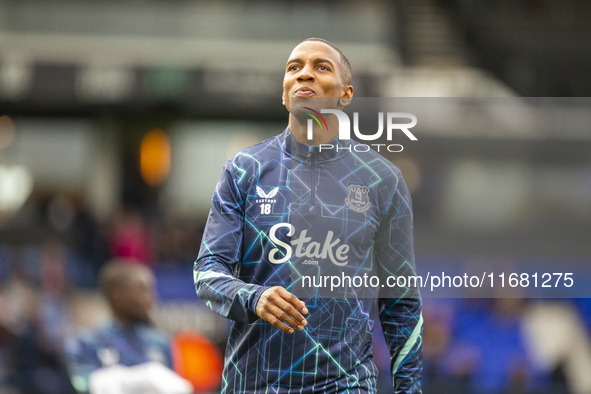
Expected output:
(127, 323)
(299, 129)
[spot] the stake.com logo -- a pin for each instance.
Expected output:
(345, 129)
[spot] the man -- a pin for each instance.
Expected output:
(277, 209)
(99, 361)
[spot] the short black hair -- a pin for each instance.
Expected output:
(345, 64)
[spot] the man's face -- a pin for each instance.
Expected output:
(313, 70)
(135, 298)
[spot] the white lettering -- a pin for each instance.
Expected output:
(278, 242)
(330, 248)
(327, 250)
(300, 242)
(401, 126)
(310, 129)
(378, 146)
(400, 148)
(368, 137)
(313, 250)
(342, 253)
(345, 126)
(344, 123)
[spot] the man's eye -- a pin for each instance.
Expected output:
(293, 67)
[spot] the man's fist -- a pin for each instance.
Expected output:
(282, 309)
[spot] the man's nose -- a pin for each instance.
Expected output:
(306, 74)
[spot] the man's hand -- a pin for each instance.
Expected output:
(282, 309)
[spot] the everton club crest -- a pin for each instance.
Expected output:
(358, 198)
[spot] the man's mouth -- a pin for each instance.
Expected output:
(304, 92)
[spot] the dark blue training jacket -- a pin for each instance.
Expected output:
(284, 210)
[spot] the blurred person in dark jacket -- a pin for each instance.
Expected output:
(128, 354)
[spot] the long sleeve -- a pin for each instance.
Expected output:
(221, 254)
(400, 313)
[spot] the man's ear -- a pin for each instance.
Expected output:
(344, 101)
(283, 98)
(347, 96)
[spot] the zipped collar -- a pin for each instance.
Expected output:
(301, 151)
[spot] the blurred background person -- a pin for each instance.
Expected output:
(128, 340)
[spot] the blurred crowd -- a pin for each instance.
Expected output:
(507, 345)
(50, 257)
(498, 345)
